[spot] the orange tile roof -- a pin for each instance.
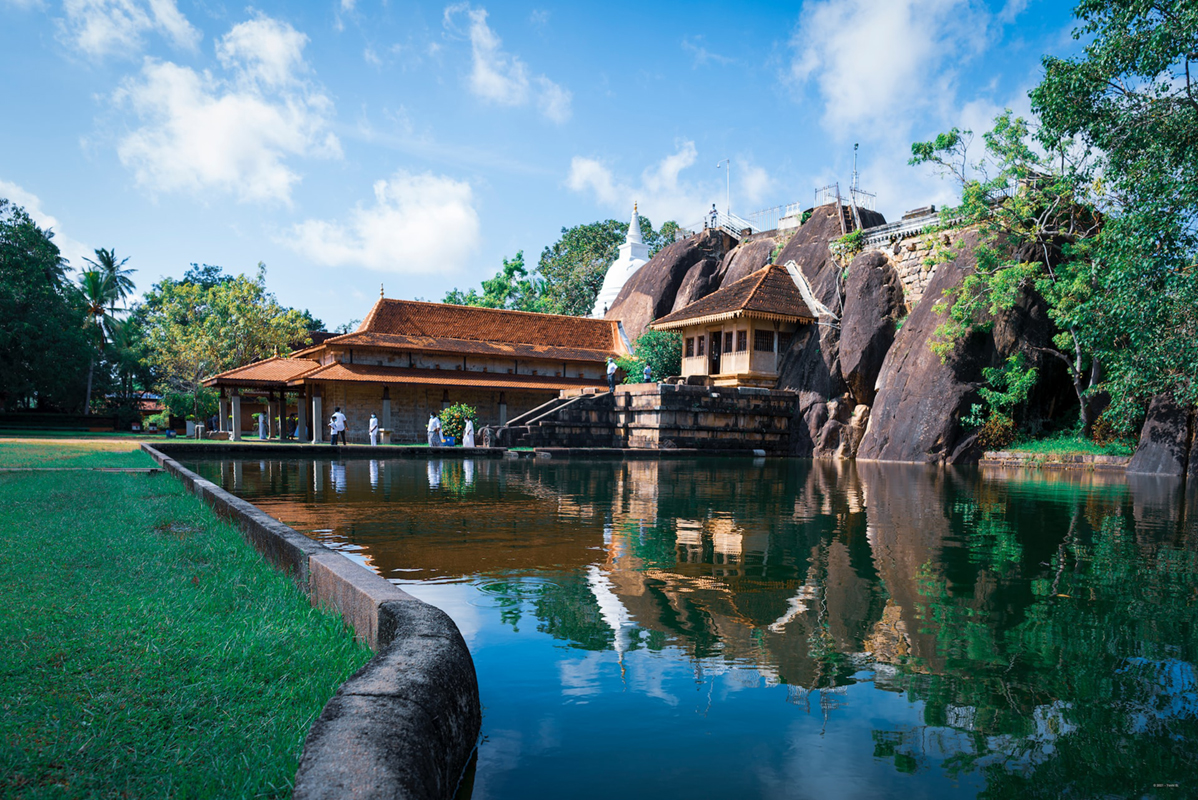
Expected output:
(769, 292)
(371, 373)
(273, 371)
(472, 347)
(445, 327)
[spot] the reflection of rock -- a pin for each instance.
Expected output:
(888, 642)
(1164, 447)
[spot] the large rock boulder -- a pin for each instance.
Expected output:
(652, 290)
(872, 307)
(916, 415)
(745, 259)
(701, 280)
(1165, 440)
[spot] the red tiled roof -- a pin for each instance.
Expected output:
(447, 327)
(272, 371)
(769, 292)
(371, 373)
(470, 347)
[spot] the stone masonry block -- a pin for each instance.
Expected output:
(355, 593)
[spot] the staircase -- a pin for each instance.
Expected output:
(584, 420)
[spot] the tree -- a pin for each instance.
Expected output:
(99, 292)
(43, 342)
(107, 265)
(512, 288)
(1132, 97)
(195, 330)
(1036, 223)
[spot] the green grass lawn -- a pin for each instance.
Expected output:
(72, 453)
(145, 649)
(1070, 444)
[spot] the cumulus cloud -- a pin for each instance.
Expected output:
(117, 27)
(419, 224)
(71, 250)
(234, 133)
(875, 61)
(502, 78)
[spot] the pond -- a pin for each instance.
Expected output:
(779, 628)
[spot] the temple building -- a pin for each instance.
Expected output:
(410, 359)
(736, 336)
(634, 254)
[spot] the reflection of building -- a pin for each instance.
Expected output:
(409, 359)
(736, 336)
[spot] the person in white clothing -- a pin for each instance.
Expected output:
(339, 424)
(468, 434)
(374, 430)
(434, 431)
(611, 374)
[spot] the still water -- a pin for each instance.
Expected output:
(778, 628)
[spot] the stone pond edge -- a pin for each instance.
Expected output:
(1066, 461)
(405, 725)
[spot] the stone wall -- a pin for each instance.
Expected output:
(914, 258)
(654, 416)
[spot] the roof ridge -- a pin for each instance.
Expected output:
(539, 314)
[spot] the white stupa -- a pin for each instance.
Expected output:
(634, 254)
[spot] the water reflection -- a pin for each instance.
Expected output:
(942, 633)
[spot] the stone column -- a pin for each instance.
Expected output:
(317, 420)
(223, 424)
(236, 423)
(385, 419)
(301, 428)
(502, 409)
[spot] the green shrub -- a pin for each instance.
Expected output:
(453, 420)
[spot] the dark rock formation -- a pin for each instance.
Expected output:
(1165, 440)
(651, 292)
(920, 401)
(873, 304)
(745, 259)
(701, 280)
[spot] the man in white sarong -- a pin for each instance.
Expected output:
(468, 434)
(434, 431)
(374, 430)
(339, 424)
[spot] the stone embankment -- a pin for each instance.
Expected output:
(1076, 461)
(404, 726)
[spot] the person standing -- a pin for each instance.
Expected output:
(333, 430)
(434, 431)
(611, 374)
(648, 373)
(468, 434)
(339, 422)
(374, 430)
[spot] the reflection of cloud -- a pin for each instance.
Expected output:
(580, 676)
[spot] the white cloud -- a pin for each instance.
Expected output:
(502, 78)
(234, 134)
(422, 224)
(875, 61)
(71, 250)
(117, 27)
(694, 46)
(348, 5)
(755, 184)
(264, 51)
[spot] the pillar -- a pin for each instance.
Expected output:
(223, 423)
(236, 418)
(502, 409)
(317, 420)
(385, 419)
(301, 428)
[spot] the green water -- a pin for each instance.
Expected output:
(776, 629)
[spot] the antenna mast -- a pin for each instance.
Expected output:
(855, 184)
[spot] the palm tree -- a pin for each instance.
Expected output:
(99, 295)
(107, 265)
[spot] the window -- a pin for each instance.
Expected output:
(742, 341)
(784, 340)
(763, 341)
(702, 343)
(728, 341)
(690, 346)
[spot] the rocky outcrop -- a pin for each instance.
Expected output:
(916, 415)
(745, 259)
(701, 280)
(1165, 440)
(872, 307)
(652, 291)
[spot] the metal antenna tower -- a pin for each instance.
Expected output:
(855, 184)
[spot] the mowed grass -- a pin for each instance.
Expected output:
(32, 452)
(146, 650)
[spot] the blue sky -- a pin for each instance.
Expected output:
(353, 143)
